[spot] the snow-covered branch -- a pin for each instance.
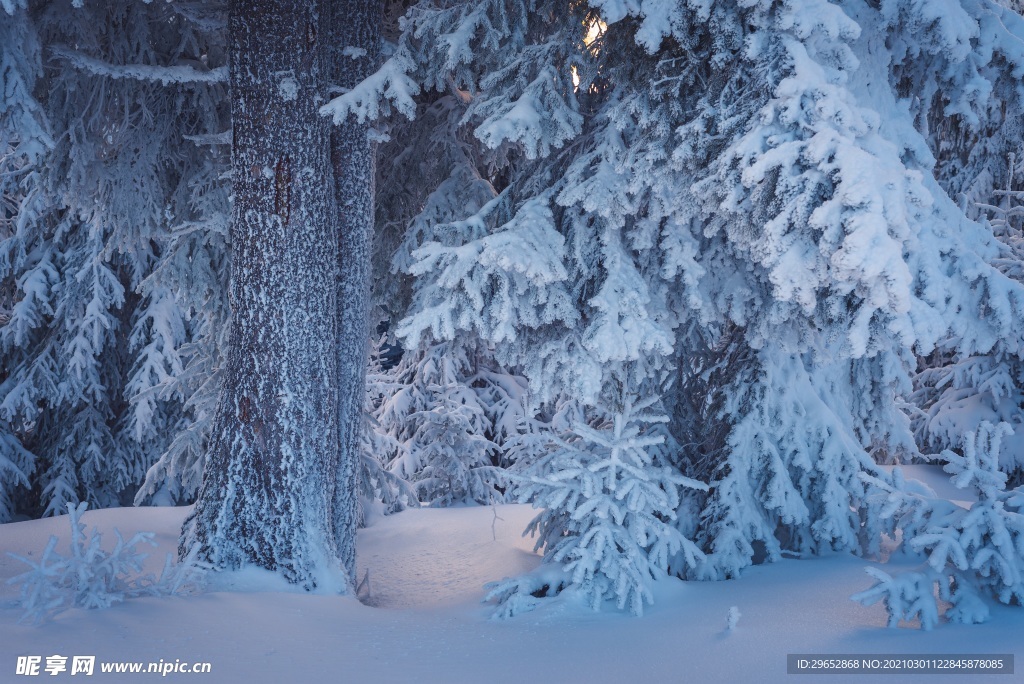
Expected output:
(166, 75)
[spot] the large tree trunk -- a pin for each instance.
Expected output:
(269, 488)
(355, 46)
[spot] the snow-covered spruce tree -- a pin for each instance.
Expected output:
(609, 500)
(268, 495)
(24, 140)
(856, 263)
(746, 171)
(788, 481)
(194, 268)
(958, 392)
(975, 127)
(432, 176)
(435, 412)
(99, 175)
(817, 201)
(972, 556)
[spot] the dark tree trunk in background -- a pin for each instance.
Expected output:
(355, 47)
(269, 489)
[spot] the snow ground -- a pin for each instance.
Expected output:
(426, 623)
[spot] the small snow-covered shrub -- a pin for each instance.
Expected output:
(972, 555)
(91, 577)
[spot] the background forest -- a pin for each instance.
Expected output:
(683, 274)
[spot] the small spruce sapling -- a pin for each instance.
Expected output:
(971, 555)
(608, 512)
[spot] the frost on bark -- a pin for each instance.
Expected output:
(268, 491)
(355, 46)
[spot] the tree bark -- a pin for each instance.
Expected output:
(269, 489)
(355, 48)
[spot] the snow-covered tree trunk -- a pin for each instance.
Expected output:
(355, 46)
(268, 492)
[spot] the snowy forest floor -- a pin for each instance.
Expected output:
(425, 622)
